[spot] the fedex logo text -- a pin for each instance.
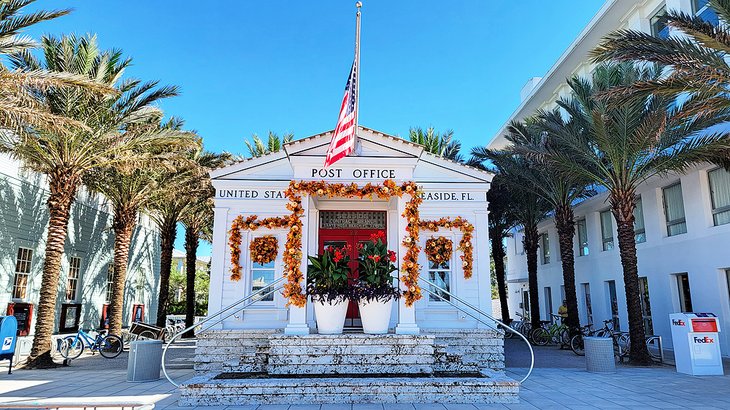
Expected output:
(705, 339)
(678, 322)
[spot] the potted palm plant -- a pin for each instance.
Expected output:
(374, 288)
(328, 288)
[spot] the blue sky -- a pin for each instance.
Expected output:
(247, 67)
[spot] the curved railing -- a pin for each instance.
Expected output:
(228, 311)
(478, 318)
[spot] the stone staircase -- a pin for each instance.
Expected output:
(267, 367)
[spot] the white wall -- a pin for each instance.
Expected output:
(702, 253)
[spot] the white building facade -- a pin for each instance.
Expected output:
(86, 268)
(257, 187)
(683, 221)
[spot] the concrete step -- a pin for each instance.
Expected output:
(491, 387)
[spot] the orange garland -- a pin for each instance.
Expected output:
(293, 249)
(251, 223)
(388, 189)
(465, 246)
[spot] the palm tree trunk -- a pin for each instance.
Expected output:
(191, 256)
(63, 186)
(622, 205)
(168, 232)
(498, 256)
(124, 222)
(566, 230)
(530, 243)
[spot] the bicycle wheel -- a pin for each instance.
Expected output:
(71, 347)
(147, 334)
(111, 346)
(624, 343)
(576, 345)
(540, 337)
(564, 336)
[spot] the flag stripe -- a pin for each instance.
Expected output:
(343, 138)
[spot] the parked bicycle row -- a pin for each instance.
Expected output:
(110, 345)
(554, 332)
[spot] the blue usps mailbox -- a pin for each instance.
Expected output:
(8, 337)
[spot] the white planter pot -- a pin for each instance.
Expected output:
(375, 316)
(330, 317)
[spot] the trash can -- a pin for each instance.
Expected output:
(599, 354)
(145, 360)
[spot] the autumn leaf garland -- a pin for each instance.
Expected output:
(292, 256)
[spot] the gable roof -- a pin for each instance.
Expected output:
(385, 142)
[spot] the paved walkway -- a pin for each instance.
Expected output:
(558, 382)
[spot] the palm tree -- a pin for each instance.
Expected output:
(168, 208)
(527, 209)
(198, 222)
(129, 187)
(257, 148)
(68, 156)
(501, 221)
(561, 191)
(699, 75)
(443, 145)
(619, 144)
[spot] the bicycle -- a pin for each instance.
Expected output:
(576, 342)
(108, 345)
(620, 340)
(555, 332)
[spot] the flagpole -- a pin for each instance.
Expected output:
(357, 76)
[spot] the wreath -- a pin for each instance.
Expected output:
(264, 249)
(439, 249)
(465, 246)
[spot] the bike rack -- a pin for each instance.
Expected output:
(480, 320)
(235, 308)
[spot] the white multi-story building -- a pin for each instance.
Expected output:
(683, 220)
(86, 268)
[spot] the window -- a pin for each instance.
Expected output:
(548, 303)
(645, 305)
(141, 279)
(684, 292)
(720, 195)
(545, 248)
(74, 272)
(587, 302)
(727, 277)
(674, 210)
(22, 271)
(639, 230)
(262, 275)
(607, 230)
(439, 273)
(582, 238)
(702, 10)
(109, 282)
(659, 27)
(613, 301)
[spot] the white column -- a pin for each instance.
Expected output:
(482, 260)
(218, 261)
(406, 315)
(298, 315)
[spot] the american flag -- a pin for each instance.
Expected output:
(343, 139)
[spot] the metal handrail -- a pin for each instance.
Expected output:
(263, 292)
(478, 319)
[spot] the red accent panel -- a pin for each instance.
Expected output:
(704, 325)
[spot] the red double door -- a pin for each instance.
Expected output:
(340, 238)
